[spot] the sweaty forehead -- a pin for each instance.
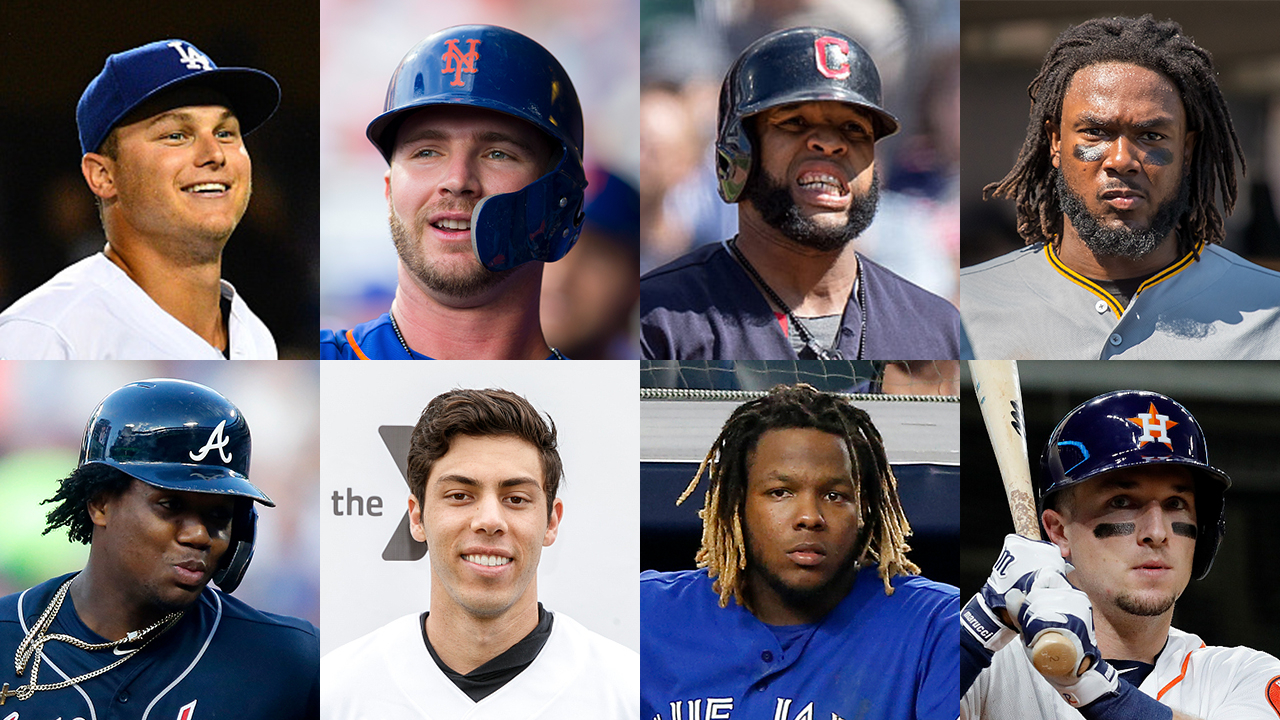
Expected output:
(1116, 89)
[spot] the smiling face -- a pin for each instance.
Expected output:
(180, 178)
(1122, 149)
(1131, 535)
(446, 160)
(162, 546)
(815, 180)
(484, 518)
(801, 522)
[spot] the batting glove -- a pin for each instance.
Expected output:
(1045, 602)
(982, 617)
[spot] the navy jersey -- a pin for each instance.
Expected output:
(874, 657)
(704, 306)
(373, 340)
(222, 660)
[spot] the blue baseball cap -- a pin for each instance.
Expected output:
(134, 76)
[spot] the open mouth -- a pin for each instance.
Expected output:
(207, 188)
(823, 183)
(487, 560)
(452, 225)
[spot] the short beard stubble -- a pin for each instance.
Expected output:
(1122, 241)
(804, 598)
(462, 284)
(772, 199)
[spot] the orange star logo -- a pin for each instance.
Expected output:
(1155, 427)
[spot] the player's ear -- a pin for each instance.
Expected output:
(1055, 141)
(416, 528)
(553, 523)
(386, 179)
(97, 507)
(99, 173)
(1055, 530)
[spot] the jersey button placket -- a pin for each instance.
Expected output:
(1115, 339)
(1101, 307)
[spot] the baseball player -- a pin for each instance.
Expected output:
(161, 129)
(804, 605)
(483, 472)
(1134, 511)
(1128, 145)
(799, 119)
(163, 499)
(482, 131)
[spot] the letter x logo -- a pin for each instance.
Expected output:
(1155, 427)
(401, 546)
(191, 57)
(216, 442)
(458, 62)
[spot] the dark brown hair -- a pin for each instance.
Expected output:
(481, 413)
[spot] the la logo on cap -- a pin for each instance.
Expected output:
(191, 57)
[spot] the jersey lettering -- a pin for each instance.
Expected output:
(458, 62)
(1155, 427)
(191, 57)
(717, 709)
(188, 711)
(216, 442)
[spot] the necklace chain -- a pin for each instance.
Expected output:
(396, 326)
(809, 340)
(31, 647)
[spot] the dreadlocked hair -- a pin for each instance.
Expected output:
(883, 526)
(1161, 47)
(74, 493)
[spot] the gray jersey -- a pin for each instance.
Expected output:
(1028, 305)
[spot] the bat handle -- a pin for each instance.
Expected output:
(1053, 654)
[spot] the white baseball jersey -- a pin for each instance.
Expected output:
(389, 675)
(1211, 683)
(1028, 305)
(92, 310)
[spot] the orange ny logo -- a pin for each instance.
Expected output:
(457, 62)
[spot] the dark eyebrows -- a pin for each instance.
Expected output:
(184, 116)
(472, 482)
(1159, 121)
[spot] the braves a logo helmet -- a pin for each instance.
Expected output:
(181, 435)
(1131, 428)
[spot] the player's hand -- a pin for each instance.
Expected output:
(984, 616)
(1045, 602)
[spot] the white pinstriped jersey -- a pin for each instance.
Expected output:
(1028, 305)
(1211, 683)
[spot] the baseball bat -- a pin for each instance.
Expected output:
(995, 382)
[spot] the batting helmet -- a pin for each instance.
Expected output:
(179, 435)
(805, 64)
(1130, 428)
(498, 69)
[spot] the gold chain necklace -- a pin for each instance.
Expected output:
(31, 647)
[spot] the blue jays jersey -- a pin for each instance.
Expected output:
(223, 659)
(704, 306)
(874, 657)
(373, 340)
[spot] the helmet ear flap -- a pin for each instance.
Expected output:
(235, 561)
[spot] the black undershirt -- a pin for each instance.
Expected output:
(489, 677)
(225, 307)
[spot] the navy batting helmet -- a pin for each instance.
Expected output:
(179, 435)
(1129, 428)
(805, 64)
(498, 69)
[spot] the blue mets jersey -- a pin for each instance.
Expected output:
(223, 659)
(704, 306)
(874, 657)
(374, 340)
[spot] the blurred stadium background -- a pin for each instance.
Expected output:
(43, 410)
(1236, 405)
(1002, 47)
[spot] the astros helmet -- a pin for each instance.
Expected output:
(1130, 428)
(804, 64)
(179, 435)
(498, 69)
